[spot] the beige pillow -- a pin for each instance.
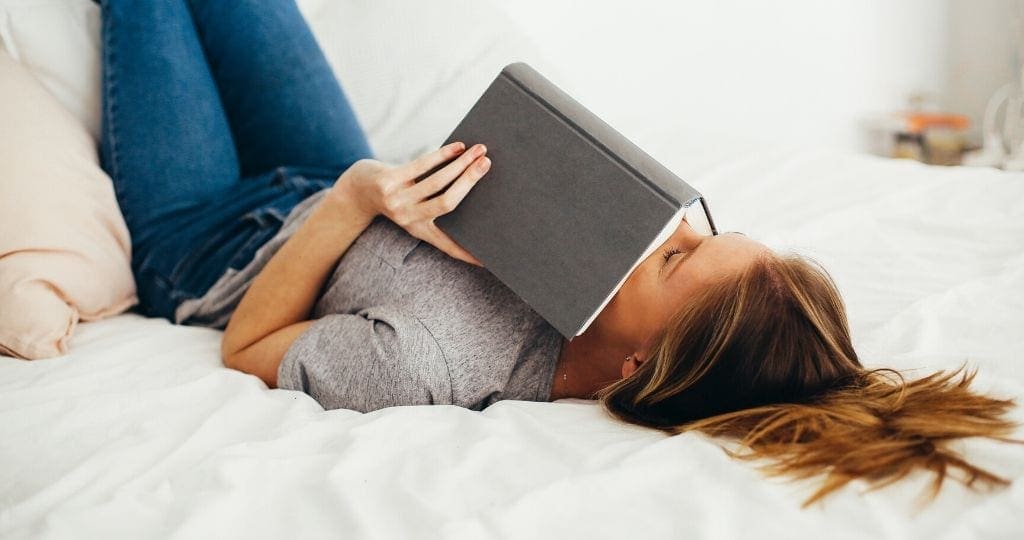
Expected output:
(64, 247)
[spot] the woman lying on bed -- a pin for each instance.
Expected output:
(254, 202)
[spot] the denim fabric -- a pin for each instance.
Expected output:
(218, 118)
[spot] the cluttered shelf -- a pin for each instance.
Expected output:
(927, 133)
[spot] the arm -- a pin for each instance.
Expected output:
(273, 312)
(275, 309)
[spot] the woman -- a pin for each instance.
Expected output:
(254, 203)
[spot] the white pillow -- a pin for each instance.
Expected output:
(59, 42)
(410, 69)
(413, 69)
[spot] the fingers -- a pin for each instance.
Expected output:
(428, 161)
(415, 207)
(442, 241)
(450, 199)
(437, 181)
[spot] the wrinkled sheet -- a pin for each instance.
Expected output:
(141, 431)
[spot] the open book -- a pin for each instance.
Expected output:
(569, 206)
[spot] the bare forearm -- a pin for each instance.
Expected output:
(286, 289)
(275, 310)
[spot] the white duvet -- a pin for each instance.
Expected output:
(141, 431)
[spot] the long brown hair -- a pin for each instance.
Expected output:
(767, 358)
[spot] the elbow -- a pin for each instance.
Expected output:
(236, 359)
(232, 343)
(230, 351)
(228, 357)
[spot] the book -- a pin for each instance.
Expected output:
(569, 207)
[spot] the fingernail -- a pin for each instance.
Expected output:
(457, 146)
(485, 164)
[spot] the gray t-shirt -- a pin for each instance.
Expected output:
(401, 323)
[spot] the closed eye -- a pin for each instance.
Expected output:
(670, 252)
(687, 254)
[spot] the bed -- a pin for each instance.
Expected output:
(142, 432)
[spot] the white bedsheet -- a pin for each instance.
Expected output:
(141, 432)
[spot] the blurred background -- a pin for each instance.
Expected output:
(902, 78)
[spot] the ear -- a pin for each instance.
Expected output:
(630, 365)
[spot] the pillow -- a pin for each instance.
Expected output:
(59, 42)
(410, 69)
(64, 247)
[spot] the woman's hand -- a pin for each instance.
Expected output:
(380, 189)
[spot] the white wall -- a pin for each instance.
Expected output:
(800, 71)
(982, 54)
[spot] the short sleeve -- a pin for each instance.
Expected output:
(376, 358)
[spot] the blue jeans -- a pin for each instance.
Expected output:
(219, 117)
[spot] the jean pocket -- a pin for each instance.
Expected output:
(266, 217)
(264, 223)
(229, 246)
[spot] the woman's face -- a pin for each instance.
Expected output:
(657, 288)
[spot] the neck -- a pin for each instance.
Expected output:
(587, 364)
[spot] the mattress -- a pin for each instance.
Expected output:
(142, 432)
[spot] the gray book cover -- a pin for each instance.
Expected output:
(569, 206)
